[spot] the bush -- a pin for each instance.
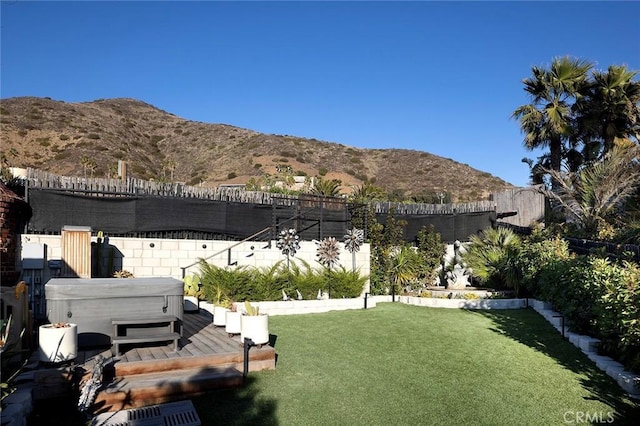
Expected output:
(491, 255)
(599, 298)
(431, 249)
(534, 256)
(344, 283)
(267, 283)
(619, 311)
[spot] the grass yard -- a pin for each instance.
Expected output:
(399, 364)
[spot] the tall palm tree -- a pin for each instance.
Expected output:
(611, 108)
(547, 120)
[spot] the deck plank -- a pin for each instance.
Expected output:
(202, 343)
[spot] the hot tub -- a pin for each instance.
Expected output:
(92, 303)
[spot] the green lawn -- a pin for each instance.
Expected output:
(399, 364)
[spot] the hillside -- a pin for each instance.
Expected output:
(60, 137)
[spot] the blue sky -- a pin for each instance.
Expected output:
(440, 77)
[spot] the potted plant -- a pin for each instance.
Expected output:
(192, 293)
(233, 320)
(254, 325)
(221, 304)
(58, 342)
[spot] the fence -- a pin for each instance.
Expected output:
(129, 207)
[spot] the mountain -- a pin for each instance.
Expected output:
(88, 138)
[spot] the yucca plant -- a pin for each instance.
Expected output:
(403, 267)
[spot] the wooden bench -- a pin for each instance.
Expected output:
(145, 331)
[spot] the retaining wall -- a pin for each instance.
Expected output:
(155, 257)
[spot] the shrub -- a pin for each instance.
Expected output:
(599, 298)
(534, 256)
(232, 175)
(220, 284)
(491, 254)
(619, 313)
(303, 278)
(344, 282)
(268, 283)
(431, 249)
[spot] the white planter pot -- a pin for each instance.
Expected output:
(57, 344)
(234, 322)
(256, 328)
(191, 304)
(219, 316)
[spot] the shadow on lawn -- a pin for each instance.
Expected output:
(528, 327)
(236, 406)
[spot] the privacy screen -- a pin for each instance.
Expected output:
(161, 215)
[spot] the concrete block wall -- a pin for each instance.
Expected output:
(299, 307)
(148, 257)
(628, 381)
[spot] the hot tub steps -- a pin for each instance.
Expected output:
(141, 390)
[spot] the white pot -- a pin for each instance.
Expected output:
(219, 315)
(191, 304)
(234, 322)
(256, 328)
(57, 344)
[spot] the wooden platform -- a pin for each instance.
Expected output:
(207, 358)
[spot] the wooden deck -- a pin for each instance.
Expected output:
(207, 359)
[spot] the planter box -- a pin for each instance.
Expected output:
(92, 303)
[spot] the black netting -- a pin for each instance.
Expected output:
(164, 216)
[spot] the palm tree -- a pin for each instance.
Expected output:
(327, 188)
(611, 108)
(596, 194)
(548, 120)
(367, 192)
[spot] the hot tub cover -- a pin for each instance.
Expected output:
(99, 288)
